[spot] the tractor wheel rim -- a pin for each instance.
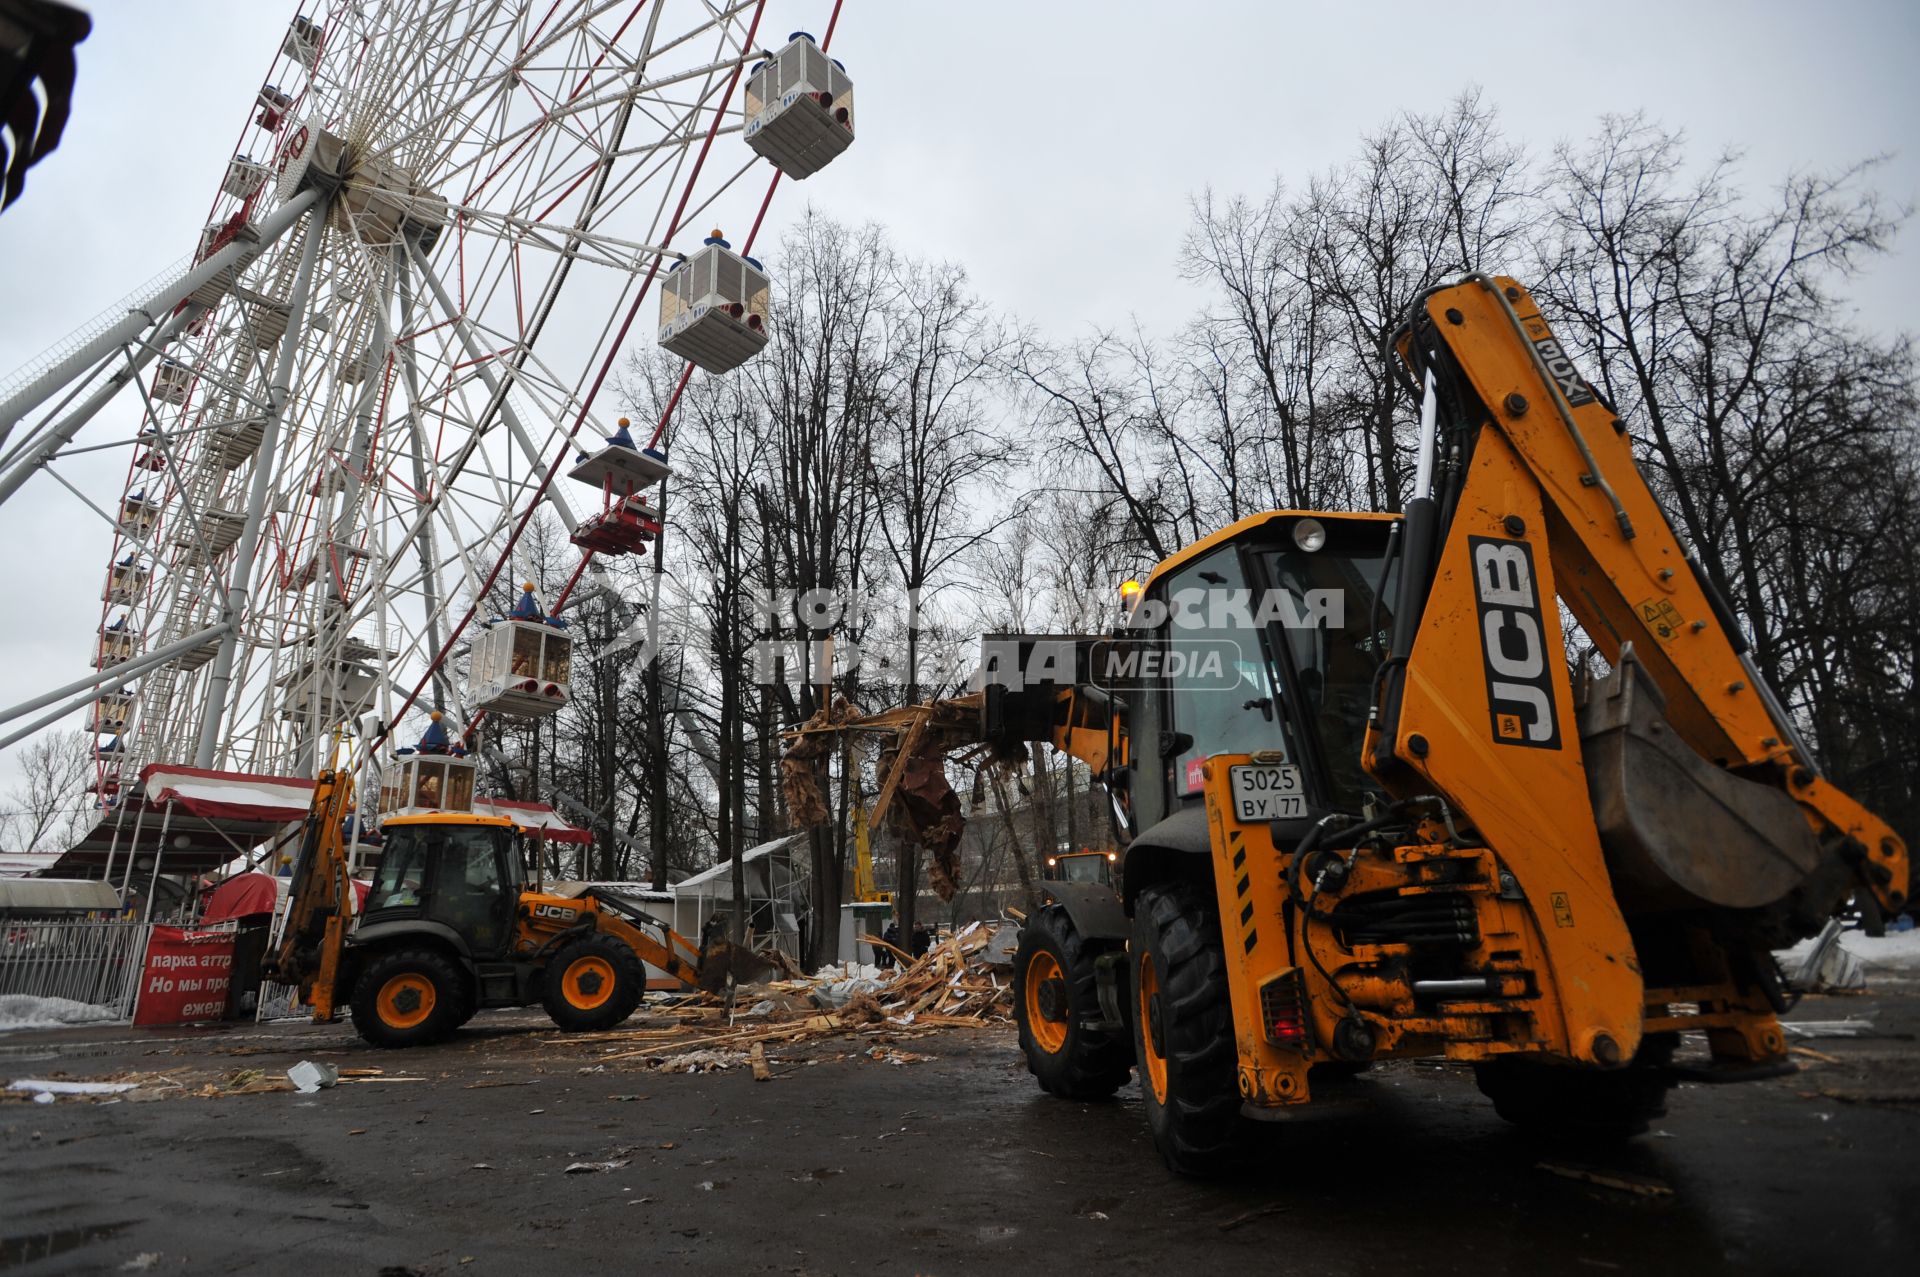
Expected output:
(406, 1000)
(588, 983)
(1049, 1032)
(1148, 983)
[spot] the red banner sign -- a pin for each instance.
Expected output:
(186, 976)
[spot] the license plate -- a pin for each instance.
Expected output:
(1266, 792)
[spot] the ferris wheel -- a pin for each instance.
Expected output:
(444, 224)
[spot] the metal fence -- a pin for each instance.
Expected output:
(92, 962)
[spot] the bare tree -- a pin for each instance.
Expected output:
(49, 807)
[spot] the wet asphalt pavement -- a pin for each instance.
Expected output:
(952, 1164)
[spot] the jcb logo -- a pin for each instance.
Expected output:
(1513, 644)
(552, 911)
(1568, 378)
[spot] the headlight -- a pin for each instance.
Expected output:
(1309, 535)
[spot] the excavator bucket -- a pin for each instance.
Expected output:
(1678, 831)
(724, 960)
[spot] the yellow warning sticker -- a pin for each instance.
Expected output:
(1663, 618)
(1562, 910)
(1510, 727)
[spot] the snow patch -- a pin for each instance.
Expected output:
(24, 1011)
(1899, 951)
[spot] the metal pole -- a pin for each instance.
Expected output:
(36, 453)
(133, 850)
(159, 853)
(119, 822)
(220, 678)
(94, 685)
(141, 315)
(491, 382)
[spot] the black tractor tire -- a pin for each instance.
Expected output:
(410, 997)
(1183, 1032)
(593, 984)
(1055, 998)
(1581, 1105)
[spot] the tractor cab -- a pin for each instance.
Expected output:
(1262, 640)
(1099, 867)
(459, 871)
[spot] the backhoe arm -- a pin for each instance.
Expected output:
(1618, 566)
(319, 899)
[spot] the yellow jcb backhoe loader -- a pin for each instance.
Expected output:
(1368, 812)
(451, 924)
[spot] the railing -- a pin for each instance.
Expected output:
(97, 963)
(86, 332)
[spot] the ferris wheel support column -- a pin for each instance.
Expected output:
(491, 382)
(417, 451)
(141, 315)
(33, 453)
(220, 677)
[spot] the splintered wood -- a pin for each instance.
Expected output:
(952, 985)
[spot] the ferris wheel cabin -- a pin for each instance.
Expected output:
(111, 713)
(520, 663)
(713, 310)
(622, 471)
(799, 109)
(302, 42)
(139, 514)
(115, 646)
(126, 581)
(244, 176)
(436, 775)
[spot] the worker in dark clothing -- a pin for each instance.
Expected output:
(882, 957)
(922, 940)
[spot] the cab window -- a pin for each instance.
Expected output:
(1218, 678)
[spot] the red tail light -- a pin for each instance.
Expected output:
(1283, 1018)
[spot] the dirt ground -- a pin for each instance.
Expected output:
(938, 1157)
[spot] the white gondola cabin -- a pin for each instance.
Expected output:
(126, 581)
(244, 176)
(521, 663)
(436, 775)
(171, 381)
(427, 782)
(111, 713)
(302, 42)
(713, 310)
(116, 645)
(799, 112)
(138, 514)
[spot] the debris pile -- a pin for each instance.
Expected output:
(960, 982)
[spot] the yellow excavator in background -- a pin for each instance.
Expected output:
(452, 923)
(1368, 810)
(866, 889)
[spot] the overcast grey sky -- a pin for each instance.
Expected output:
(1049, 145)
